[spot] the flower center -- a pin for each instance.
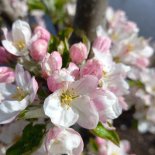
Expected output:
(130, 47)
(20, 44)
(67, 97)
(19, 94)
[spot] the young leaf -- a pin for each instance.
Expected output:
(104, 133)
(29, 141)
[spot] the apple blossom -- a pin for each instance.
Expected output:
(78, 52)
(73, 103)
(58, 79)
(6, 75)
(102, 44)
(107, 105)
(108, 148)
(64, 141)
(19, 42)
(15, 97)
(92, 67)
(51, 63)
(38, 49)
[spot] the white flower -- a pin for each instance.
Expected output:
(18, 43)
(147, 77)
(60, 141)
(107, 105)
(15, 98)
(72, 104)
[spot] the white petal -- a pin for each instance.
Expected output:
(21, 31)
(22, 77)
(85, 85)
(11, 48)
(60, 116)
(10, 109)
(88, 116)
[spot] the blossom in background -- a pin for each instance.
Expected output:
(15, 97)
(108, 148)
(73, 103)
(18, 43)
(64, 141)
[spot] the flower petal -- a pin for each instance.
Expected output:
(85, 85)
(60, 116)
(11, 48)
(88, 116)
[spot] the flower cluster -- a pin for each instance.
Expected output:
(135, 51)
(88, 90)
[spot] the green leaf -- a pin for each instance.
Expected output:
(104, 133)
(136, 83)
(30, 140)
(36, 5)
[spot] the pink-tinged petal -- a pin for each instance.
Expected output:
(42, 33)
(102, 44)
(64, 142)
(5, 57)
(59, 115)
(107, 105)
(6, 75)
(88, 116)
(92, 67)
(33, 89)
(79, 149)
(11, 48)
(85, 85)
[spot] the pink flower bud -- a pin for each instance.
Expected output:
(102, 44)
(92, 67)
(51, 63)
(5, 57)
(78, 53)
(38, 49)
(42, 33)
(7, 75)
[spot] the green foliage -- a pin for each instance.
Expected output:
(104, 133)
(29, 142)
(36, 5)
(136, 83)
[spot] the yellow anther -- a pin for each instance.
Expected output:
(20, 44)
(130, 47)
(67, 97)
(19, 94)
(114, 36)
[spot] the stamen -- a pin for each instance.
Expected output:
(20, 44)
(19, 94)
(67, 97)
